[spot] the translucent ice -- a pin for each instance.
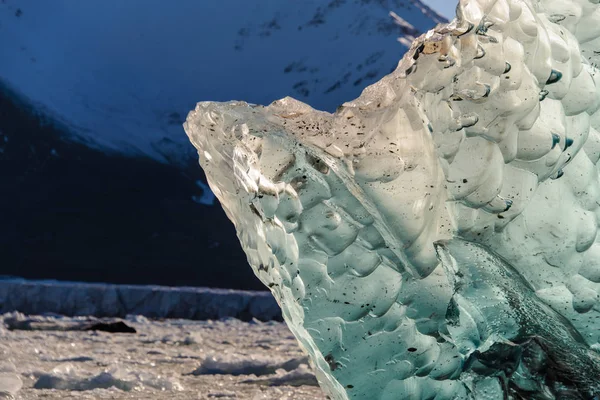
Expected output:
(506, 331)
(485, 141)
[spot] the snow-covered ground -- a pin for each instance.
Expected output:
(106, 300)
(122, 75)
(60, 358)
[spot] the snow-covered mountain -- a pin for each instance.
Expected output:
(122, 75)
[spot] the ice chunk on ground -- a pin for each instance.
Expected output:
(66, 377)
(166, 348)
(237, 364)
(301, 376)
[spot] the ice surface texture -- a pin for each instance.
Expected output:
(435, 238)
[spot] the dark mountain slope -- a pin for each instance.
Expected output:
(74, 213)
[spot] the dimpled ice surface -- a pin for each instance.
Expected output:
(435, 238)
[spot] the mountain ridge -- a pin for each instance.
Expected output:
(127, 86)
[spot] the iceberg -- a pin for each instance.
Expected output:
(437, 236)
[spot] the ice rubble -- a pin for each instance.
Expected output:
(105, 300)
(66, 377)
(487, 132)
(157, 361)
(239, 364)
